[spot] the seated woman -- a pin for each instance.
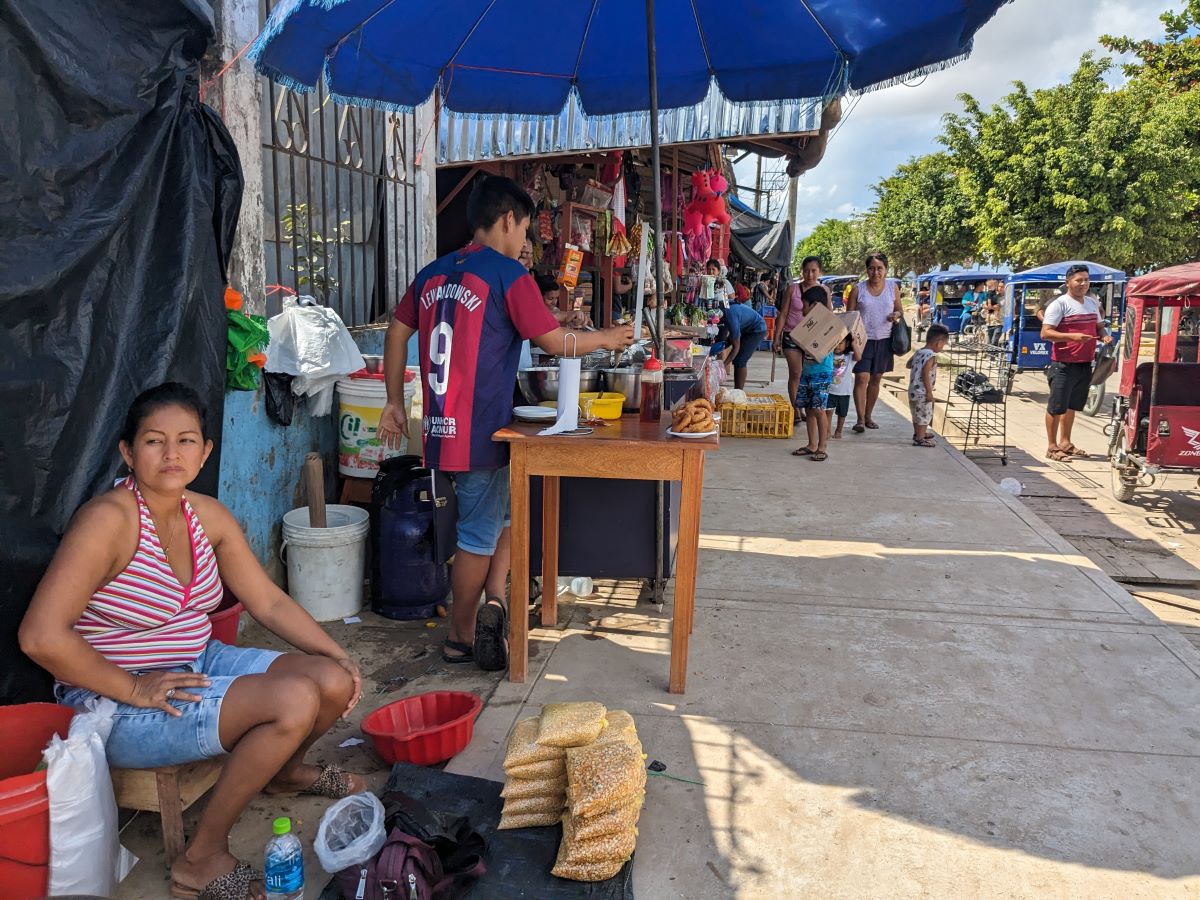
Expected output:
(122, 612)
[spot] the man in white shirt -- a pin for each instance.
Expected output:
(1074, 324)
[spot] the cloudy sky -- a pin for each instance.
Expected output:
(1036, 41)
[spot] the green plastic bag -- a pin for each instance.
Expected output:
(248, 337)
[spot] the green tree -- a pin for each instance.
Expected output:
(840, 244)
(1081, 171)
(1173, 63)
(923, 216)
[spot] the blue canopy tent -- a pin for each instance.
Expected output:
(946, 291)
(530, 57)
(1028, 290)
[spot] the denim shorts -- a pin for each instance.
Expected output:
(482, 509)
(148, 738)
(750, 343)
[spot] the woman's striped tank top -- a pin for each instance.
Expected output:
(144, 618)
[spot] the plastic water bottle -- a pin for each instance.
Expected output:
(284, 863)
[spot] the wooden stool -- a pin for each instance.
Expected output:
(168, 791)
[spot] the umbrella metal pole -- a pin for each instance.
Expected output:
(660, 567)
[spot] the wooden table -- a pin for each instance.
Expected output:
(624, 449)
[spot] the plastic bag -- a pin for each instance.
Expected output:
(616, 846)
(86, 856)
(571, 724)
(549, 769)
(521, 788)
(620, 727)
(312, 343)
(247, 339)
(510, 820)
(603, 776)
(351, 832)
(542, 803)
(523, 748)
(620, 818)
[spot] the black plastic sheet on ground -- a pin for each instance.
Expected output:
(119, 195)
(518, 860)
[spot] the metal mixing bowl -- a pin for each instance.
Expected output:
(627, 381)
(541, 382)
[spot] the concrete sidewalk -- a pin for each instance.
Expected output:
(902, 684)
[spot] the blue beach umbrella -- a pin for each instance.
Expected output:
(527, 57)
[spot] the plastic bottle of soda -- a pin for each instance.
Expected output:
(284, 863)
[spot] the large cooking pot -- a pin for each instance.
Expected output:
(541, 382)
(626, 381)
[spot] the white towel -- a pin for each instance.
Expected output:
(569, 371)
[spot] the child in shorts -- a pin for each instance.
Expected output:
(842, 387)
(813, 393)
(922, 378)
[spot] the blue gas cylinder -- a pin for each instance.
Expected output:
(412, 549)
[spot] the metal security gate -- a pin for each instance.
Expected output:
(339, 201)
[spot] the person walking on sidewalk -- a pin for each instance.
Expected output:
(1073, 323)
(471, 309)
(878, 302)
(791, 311)
(814, 388)
(922, 378)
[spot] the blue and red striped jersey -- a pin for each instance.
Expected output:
(471, 310)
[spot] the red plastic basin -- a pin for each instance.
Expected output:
(225, 620)
(425, 729)
(24, 804)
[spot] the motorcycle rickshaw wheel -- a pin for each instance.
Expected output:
(1123, 487)
(1095, 400)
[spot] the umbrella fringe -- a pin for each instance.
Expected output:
(367, 102)
(282, 78)
(271, 30)
(909, 76)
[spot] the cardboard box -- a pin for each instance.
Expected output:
(820, 332)
(858, 331)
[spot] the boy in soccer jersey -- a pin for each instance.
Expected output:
(471, 310)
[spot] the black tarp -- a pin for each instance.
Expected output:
(518, 860)
(119, 196)
(757, 241)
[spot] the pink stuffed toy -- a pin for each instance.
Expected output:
(707, 204)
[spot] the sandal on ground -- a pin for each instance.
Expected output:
(859, 428)
(491, 628)
(233, 885)
(465, 653)
(803, 451)
(1072, 450)
(924, 442)
(1058, 455)
(872, 426)
(333, 782)
(820, 456)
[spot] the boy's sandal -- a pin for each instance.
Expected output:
(872, 425)
(1072, 450)
(820, 456)
(802, 451)
(233, 885)
(1058, 455)
(333, 782)
(859, 428)
(466, 653)
(491, 628)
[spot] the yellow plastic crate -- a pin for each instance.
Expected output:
(761, 416)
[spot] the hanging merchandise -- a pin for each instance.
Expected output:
(244, 359)
(546, 226)
(699, 245)
(312, 343)
(618, 244)
(568, 276)
(610, 171)
(707, 204)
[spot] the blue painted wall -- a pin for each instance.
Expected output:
(260, 461)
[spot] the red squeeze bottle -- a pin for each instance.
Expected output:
(652, 386)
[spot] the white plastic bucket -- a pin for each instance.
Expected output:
(325, 565)
(360, 403)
